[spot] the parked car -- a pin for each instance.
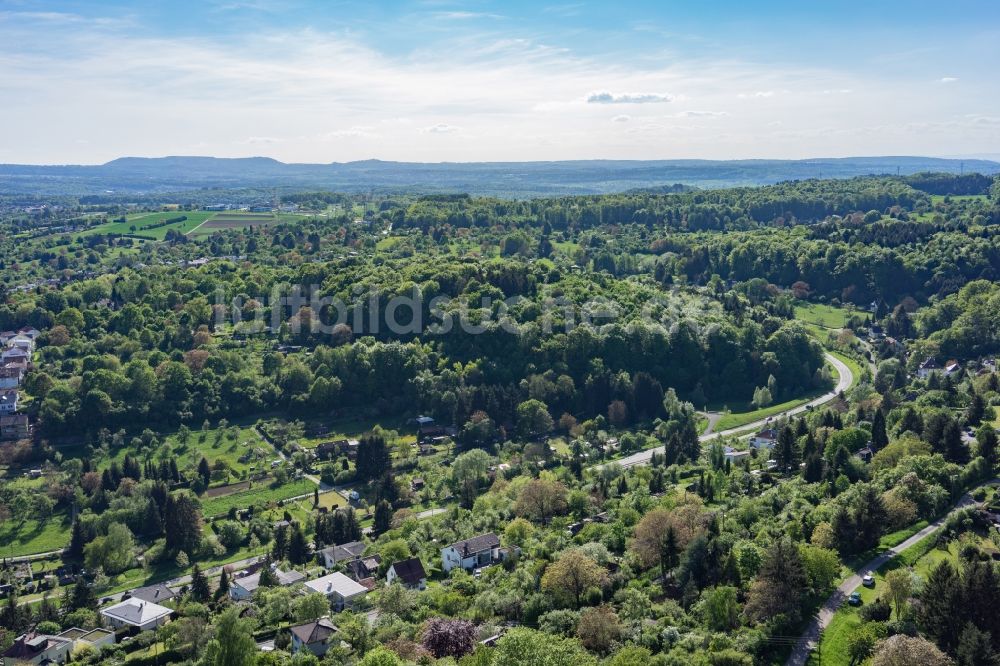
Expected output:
(868, 581)
(854, 599)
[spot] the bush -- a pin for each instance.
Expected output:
(877, 611)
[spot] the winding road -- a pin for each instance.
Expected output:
(810, 639)
(845, 381)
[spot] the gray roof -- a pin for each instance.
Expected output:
(252, 582)
(346, 551)
(339, 583)
(157, 593)
(136, 612)
(477, 544)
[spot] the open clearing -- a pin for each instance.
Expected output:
(152, 225)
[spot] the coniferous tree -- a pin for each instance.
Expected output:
(199, 585)
(204, 472)
(880, 439)
(223, 589)
(182, 523)
(383, 517)
(279, 549)
(267, 576)
(298, 547)
(373, 457)
(940, 600)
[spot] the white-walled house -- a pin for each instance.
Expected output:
(243, 587)
(479, 551)
(8, 401)
(143, 615)
(35, 648)
(765, 439)
(732, 455)
(408, 573)
(11, 376)
(313, 636)
(339, 589)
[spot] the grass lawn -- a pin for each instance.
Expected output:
(261, 494)
(826, 316)
(140, 220)
(851, 363)
(34, 536)
(742, 414)
(354, 428)
(738, 418)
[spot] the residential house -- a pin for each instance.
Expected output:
(11, 376)
(364, 567)
(243, 587)
(417, 484)
(479, 551)
(14, 426)
(313, 636)
(765, 439)
(5, 336)
(732, 455)
(339, 589)
(21, 342)
(408, 573)
(8, 401)
(865, 454)
(340, 447)
(14, 355)
(951, 367)
(927, 367)
(93, 638)
(158, 594)
(135, 613)
(30, 333)
(32, 648)
(334, 555)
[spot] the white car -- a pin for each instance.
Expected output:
(867, 580)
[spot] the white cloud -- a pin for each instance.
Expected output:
(621, 119)
(354, 132)
(700, 114)
(605, 97)
(473, 96)
(948, 79)
(439, 128)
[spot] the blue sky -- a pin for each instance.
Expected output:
(434, 80)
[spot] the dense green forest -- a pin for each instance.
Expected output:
(634, 392)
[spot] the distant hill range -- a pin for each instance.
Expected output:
(509, 179)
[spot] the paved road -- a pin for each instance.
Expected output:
(844, 383)
(810, 639)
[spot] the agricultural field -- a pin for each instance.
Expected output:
(261, 493)
(240, 220)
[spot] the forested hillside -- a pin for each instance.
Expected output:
(667, 426)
